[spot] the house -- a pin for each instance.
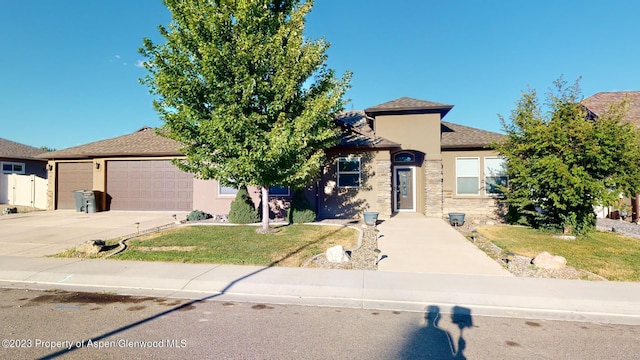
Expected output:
(598, 104)
(394, 157)
(16, 158)
(22, 180)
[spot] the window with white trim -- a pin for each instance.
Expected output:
(13, 168)
(495, 175)
(226, 190)
(348, 172)
(277, 190)
(467, 176)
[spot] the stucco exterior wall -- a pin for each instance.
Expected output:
(414, 131)
(479, 205)
(207, 198)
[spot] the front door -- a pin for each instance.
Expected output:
(404, 187)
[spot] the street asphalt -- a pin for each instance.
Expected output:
(482, 286)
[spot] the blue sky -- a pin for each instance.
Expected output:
(69, 68)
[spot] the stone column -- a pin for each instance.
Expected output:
(51, 185)
(383, 186)
(433, 186)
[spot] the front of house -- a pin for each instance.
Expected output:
(395, 157)
(401, 157)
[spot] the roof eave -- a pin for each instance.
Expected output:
(467, 147)
(113, 155)
(442, 110)
(22, 157)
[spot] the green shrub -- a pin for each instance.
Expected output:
(301, 210)
(196, 215)
(243, 210)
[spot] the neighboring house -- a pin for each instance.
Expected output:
(597, 105)
(16, 158)
(395, 157)
(22, 175)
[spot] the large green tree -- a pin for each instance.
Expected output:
(562, 162)
(249, 97)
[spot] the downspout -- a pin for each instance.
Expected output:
(317, 204)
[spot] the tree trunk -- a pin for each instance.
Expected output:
(265, 209)
(636, 209)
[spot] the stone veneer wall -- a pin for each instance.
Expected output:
(383, 186)
(479, 206)
(433, 201)
(51, 185)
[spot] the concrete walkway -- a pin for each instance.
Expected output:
(416, 244)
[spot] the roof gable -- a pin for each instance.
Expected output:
(406, 105)
(15, 150)
(599, 103)
(144, 142)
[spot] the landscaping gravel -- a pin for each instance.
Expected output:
(362, 257)
(619, 226)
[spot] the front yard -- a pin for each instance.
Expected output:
(289, 245)
(612, 256)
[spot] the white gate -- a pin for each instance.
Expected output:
(23, 190)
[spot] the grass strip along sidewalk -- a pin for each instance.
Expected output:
(612, 256)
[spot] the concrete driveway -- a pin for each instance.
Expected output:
(44, 233)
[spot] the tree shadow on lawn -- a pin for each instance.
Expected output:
(186, 306)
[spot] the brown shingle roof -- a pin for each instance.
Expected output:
(600, 103)
(144, 142)
(406, 104)
(456, 136)
(12, 149)
(357, 133)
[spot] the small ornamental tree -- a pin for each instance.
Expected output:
(301, 210)
(243, 210)
(563, 162)
(248, 96)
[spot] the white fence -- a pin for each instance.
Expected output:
(24, 190)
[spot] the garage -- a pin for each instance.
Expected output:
(72, 176)
(148, 185)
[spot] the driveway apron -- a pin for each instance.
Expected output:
(44, 233)
(417, 244)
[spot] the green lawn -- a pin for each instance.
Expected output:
(609, 255)
(288, 246)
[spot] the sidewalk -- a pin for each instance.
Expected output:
(609, 302)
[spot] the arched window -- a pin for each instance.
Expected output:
(404, 157)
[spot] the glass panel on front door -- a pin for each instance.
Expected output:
(404, 189)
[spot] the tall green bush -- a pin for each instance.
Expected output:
(301, 210)
(243, 210)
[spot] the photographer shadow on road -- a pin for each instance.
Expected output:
(433, 342)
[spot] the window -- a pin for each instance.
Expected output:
(276, 190)
(404, 157)
(468, 176)
(12, 168)
(226, 190)
(494, 175)
(348, 172)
